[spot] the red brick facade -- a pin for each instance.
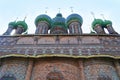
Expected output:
(63, 57)
(58, 68)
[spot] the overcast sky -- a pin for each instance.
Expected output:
(11, 9)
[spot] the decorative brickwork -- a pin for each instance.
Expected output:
(8, 77)
(61, 57)
(14, 66)
(60, 51)
(98, 68)
(79, 45)
(68, 69)
(103, 77)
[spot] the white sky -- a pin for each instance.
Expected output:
(11, 9)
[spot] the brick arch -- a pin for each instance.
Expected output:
(8, 77)
(55, 75)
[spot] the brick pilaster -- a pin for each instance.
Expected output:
(29, 70)
(81, 67)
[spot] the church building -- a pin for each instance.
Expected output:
(60, 50)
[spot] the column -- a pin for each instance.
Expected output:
(37, 30)
(80, 30)
(72, 29)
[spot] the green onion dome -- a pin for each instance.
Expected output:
(97, 21)
(13, 24)
(106, 22)
(23, 24)
(59, 21)
(43, 17)
(73, 18)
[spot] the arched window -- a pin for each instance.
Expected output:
(8, 77)
(54, 76)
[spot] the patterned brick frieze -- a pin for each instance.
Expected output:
(79, 45)
(76, 51)
(8, 40)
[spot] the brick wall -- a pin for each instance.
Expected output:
(67, 67)
(100, 67)
(14, 66)
(62, 68)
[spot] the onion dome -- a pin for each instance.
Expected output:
(73, 18)
(13, 24)
(106, 22)
(59, 21)
(43, 17)
(23, 24)
(97, 21)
